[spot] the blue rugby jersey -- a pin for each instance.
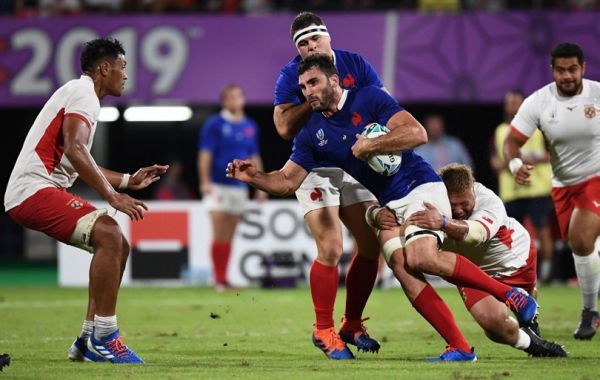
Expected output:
(227, 141)
(327, 141)
(355, 72)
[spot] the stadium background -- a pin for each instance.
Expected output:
(456, 59)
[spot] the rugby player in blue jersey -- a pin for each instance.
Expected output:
(332, 137)
(329, 194)
(226, 135)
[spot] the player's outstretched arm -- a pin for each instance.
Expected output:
(512, 154)
(282, 182)
(289, 118)
(75, 135)
(259, 195)
(142, 178)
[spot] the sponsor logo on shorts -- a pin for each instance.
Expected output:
(316, 195)
(75, 203)
(589, 111)
(596, 203)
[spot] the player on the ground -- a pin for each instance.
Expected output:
(224, 136)
(329, 194)
(331, 137)
(55, 153)
(502, 248)
(567, 111)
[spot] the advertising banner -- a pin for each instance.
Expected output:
(469, 57)
(272, 247)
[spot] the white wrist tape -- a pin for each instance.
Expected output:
(477, 233)
(371, 215)
(124, 181)
(515, 164)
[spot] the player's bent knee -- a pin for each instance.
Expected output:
(581, 245)
(420, 253)
(82, 235)
(330, 251)
(107, 234)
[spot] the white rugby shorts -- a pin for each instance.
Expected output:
(434, 193)
(229, 199)
(326, 187)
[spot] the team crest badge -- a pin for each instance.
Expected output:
(76, 204)
(316, 195)
(589, 111)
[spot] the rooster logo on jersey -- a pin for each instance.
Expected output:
(589, 111)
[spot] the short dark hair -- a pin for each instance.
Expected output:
(303, 20)
(515, 91)
(567, 50)
(457, 177)
(229, 87)
(323, 62)
(101, 48)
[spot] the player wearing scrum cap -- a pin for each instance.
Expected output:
(329, 194)
(330, 139)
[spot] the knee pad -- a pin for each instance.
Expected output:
(82, 235)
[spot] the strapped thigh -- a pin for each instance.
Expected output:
(82, 236)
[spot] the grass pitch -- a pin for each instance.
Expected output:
(194, 333)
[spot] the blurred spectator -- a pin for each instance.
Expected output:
(531, 201)
(172, 186)
(28, 8)
(7, 7)
(102, 6)
(484, 5)
(257, 6)
(60, 7)
(442, 149)
(439, 5)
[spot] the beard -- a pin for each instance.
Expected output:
(325, 101)
(572, 90)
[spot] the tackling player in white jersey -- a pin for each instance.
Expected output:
(57, 151)
(481, 231)
(567, 111)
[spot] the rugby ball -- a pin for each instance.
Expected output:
(386, 164)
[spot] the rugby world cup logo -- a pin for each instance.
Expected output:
(589, 111)
(321, 137)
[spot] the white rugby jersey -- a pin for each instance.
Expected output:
(42, 162)
(508, 243)
(571, 125)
